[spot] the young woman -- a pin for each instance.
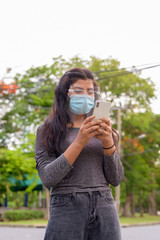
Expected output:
(77, 159)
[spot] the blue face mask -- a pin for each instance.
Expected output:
(81, 104)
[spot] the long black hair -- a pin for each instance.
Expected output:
(54, 128)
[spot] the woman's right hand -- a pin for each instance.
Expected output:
(87, 130)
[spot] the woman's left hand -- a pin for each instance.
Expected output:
(105, 133)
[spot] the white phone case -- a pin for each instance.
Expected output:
(101, 109)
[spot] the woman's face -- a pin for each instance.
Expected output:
(82, 87)
(81, 96)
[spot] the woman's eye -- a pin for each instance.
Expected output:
(90, 92)
(78, 91)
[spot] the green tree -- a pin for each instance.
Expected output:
(140, 157)
(35, 94)
(33, 99)
(15, 166)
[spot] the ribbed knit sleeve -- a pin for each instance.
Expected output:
(113, 169)
(51, 169)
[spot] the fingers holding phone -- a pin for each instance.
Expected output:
(88, 129)
(105, 132)
(105, 126)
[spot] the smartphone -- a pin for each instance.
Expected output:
(101, 109)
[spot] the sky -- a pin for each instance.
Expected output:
(32, 32)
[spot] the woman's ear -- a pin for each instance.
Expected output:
(69, 94)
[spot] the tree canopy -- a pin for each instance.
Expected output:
(32, 101)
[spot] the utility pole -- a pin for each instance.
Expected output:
(117, 189)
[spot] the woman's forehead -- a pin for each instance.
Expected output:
(87, 83)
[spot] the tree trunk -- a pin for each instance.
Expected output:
(126, 209)
(40, 199)
(151, 199)
(133, 204)
(47, 202)
(140, 203)
(152, 209)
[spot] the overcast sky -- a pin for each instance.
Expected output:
(32, 32)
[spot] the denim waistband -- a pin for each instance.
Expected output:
(90, 193)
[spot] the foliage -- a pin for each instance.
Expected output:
(15, 166)
(15, 215)
(33, 99)
(32, 102)
(140, 155)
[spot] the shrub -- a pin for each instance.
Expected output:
(15, 215)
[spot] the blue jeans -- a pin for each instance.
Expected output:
(83, 216)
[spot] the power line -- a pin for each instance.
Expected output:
(112, 70)
(128, 72)
(125, 68)
(99, 79)
(134, 68)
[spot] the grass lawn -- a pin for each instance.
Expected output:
(123, 221)
(35, 222)
(139, 220)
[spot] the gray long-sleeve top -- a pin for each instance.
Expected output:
(92, 170)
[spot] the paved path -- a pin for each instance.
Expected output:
(128, 233)
(14, 233)
(151, 232)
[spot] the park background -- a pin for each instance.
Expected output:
(119, 42)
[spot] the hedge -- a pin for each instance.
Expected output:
(15, 215)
